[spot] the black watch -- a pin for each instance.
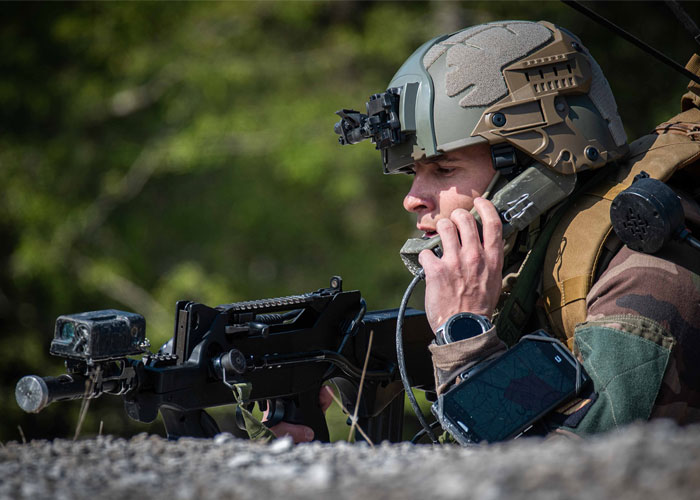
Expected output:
(462, 326)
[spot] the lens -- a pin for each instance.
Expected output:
(68, 331)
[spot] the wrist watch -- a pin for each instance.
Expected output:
(462, 326)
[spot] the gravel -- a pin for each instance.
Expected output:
(651, 460)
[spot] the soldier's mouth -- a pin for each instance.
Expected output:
(428, 231)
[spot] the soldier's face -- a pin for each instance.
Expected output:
(447, 183)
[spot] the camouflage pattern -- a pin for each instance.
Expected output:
(657, 298)
(451, 359)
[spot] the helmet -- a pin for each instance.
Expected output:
(525, 88)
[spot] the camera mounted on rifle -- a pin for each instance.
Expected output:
(99, 336)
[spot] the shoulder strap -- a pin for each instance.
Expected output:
(520, 304)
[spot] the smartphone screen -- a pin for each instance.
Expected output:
(511, 393)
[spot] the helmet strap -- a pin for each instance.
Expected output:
(508, 160)
(504, 159)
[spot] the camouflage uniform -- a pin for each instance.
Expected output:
(641, 339)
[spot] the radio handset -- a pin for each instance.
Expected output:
(414, 246)
(519, 202)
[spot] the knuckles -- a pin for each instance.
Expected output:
(461, 215)
(445, 226)
(473, 260)
(486, 210)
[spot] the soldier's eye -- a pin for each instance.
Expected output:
(444, 171)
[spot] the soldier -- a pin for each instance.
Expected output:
(468, 115)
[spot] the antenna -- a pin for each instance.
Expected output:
(632, 39)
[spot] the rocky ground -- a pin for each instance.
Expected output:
(656, 460)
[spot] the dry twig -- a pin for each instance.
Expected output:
(89, 386)
(21, 433)
(359, 429)
(359, 389)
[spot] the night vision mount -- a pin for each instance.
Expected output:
(381, 123)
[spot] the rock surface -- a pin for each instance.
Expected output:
(657, 460)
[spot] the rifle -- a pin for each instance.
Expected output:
(285, 348)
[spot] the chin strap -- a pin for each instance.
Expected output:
(504, 159)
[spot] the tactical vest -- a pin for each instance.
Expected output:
(574, 252)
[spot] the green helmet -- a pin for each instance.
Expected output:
(525, 88)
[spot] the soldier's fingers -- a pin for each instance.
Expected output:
(298, 433)
(450, 238)
(468, 231)
(427, 258)
(492, 228)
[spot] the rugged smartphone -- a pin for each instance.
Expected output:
(503, 398)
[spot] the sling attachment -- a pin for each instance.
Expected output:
(257, 431)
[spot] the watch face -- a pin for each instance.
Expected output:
(464, 326)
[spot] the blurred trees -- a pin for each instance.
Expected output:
(152, 152)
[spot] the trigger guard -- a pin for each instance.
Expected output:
(276, 411)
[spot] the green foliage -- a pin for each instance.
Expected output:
(153, 152)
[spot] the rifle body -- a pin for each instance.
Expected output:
(285, 348)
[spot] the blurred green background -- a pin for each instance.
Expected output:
(152, 152)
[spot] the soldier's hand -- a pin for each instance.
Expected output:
(468, 276)
(302, 433)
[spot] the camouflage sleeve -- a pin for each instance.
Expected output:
(640, 343)
(454, 358)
